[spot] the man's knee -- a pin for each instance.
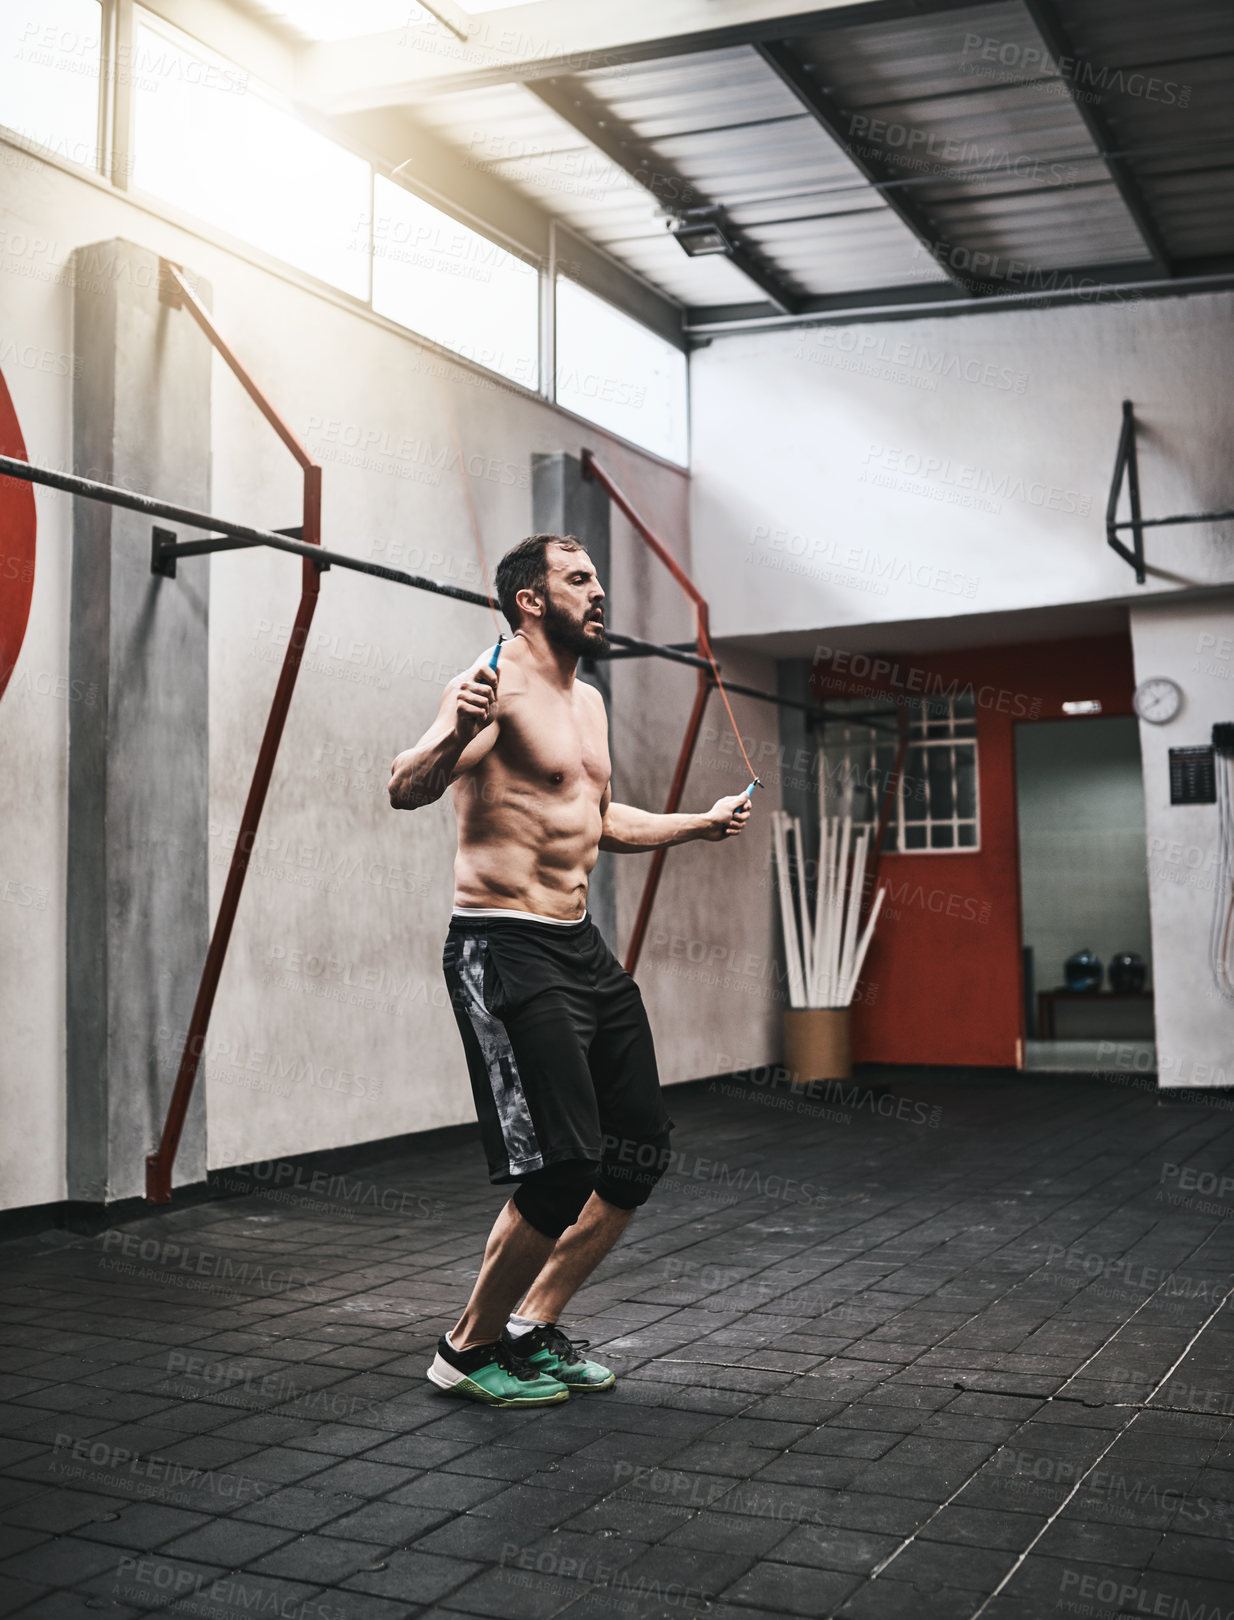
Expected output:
(631, 1167)
(552, 1199)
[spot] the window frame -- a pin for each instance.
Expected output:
(858, 751)
(112, 172)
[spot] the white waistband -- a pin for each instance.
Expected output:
(484, 913)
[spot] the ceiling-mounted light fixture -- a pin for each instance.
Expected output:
(699, 232)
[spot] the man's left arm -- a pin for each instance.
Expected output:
(629, 831)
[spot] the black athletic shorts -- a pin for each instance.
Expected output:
(557, 1041)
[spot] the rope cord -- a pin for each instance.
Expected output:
(704, 643)
(704, 646)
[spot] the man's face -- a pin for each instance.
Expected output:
(574, 602)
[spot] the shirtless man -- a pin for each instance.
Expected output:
(562, 1066)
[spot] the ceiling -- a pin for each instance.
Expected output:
(876, 157)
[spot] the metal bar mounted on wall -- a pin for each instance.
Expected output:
(165, 548)
(593, 469)
(1127, 466)
(175, 291)
(303, 540)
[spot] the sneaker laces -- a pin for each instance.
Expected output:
(512, 1364)
(550, 1337)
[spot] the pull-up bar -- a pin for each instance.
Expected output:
(303, 542)
(242, 537)
(1127, 465)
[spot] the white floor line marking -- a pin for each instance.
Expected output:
(1124, 1430)
(1044, 1400)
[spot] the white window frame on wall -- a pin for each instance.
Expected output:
(857, 753)
(919, 725)
(114, 164)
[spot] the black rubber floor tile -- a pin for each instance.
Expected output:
(754, 1534)
(510, 1593)
(929, 1564)
(888, 1599)
(15, 1538)
(983, 1527)
(1191, 1555)
(64, 1561)
(413, 1577)
(143, 1525)
(389, 1524)
(16, 1595)
(529, 1507)
(803, 1468)
(823, 1546)
(359, 1477)
(58, 1511)
(296, 1507)
(336, 1604)
(888, 1515)
(230, 1542)
(623, 1517)
(1065, 1586)
(792, 1589)
(508, 1463)
(450, 1492)
(487, 1540)
(1123, 1546)
(284, 1465)
(723, 1457)
(323, 1560)
(418, 1451)
(834, 1440)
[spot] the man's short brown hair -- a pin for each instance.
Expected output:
(525, 568)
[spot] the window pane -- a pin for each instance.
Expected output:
(941, 802)
(210, 140)
(914, 837)
(453, 286)
(915, 785)
(49, 75)
(966, 780)
(942, 837)
(968, 836)
(616, 373)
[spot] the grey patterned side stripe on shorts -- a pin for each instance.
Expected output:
(517, 1130)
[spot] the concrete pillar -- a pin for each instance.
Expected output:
(138, 779)
(798, 738)
(564, 502)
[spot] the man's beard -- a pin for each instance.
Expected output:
(571, 635)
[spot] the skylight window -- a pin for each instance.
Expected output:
(215, 142)
(452, 285)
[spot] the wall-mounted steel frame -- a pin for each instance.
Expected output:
(1127, 466)
(303, 541)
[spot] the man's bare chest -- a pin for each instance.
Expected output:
(557, 744)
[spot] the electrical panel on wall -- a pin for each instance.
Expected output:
(1193, 776)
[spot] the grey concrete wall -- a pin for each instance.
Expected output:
(136, 925)
(331, 1024)
(940, 467)
(1193, 644)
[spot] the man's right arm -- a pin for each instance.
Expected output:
(464, 731)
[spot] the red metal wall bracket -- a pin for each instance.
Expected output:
(593, 469)
(174, 290)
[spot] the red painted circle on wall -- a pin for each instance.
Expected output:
(17, 526)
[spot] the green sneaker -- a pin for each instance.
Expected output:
(489, 1373)
(547, 1349)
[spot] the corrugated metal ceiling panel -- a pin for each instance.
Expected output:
(964, 112)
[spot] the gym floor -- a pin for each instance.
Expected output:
(920, 1349)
